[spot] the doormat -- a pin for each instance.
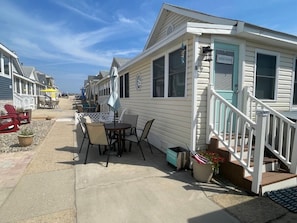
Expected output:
(285, 197)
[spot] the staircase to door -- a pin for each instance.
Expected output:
(274, 174)
(259, 148)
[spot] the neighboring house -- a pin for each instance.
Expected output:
(20, 85)
(6, 85)
(101, 87)
(192, 78)
(16, 87)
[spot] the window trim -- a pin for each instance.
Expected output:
(2, 68)
(122, 83)
(269, 53)
(292, 106)
(166, 53)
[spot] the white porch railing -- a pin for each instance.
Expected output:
(232, 127)
(281, 134)
(24, 101)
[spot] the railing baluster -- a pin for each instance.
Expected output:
(280, 137)
(288, 147)
(242, 141)
(231, 128)
(273, 136)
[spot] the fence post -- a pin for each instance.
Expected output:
(210, 112)
(293, 168)
(262, 116)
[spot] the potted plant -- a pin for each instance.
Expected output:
(25, 136)
(205, 164)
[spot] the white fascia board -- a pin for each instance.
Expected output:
(104, 79)
(194, 28)
(6, 50)
(189, 27)
(23, 78)
(268, 34)
(200, 16)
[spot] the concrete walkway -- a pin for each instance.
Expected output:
(47, 185)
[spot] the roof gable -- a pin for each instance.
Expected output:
(171, 17)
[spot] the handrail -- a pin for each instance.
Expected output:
(280, 131)
(227, 122)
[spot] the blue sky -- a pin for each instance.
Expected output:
(71, 39)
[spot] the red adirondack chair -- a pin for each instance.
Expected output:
(22, 117)
(8, 123)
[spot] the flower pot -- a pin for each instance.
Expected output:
(202, 172)
(25, 140)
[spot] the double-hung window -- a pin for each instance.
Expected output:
(169, 74)
(4, 65)
(177, 74)
(124, 86)
(158, 77)
(266, 74)
(295, 86)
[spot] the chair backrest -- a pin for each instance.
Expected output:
(86, 119)
(146, 129)
(10, 109)
(97, 134)
(122, 114)
(83, 121)
(130, 119)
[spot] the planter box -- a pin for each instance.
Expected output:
(202, 172)
(178, 157)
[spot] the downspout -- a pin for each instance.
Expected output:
(196, 51)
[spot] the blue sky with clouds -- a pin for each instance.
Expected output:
(71, 39)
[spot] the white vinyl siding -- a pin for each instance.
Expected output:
(172, 126)
(284, 77)
(202, 82)
(174, 20)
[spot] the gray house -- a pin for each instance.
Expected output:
(20, 85)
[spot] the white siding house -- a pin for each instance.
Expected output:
(239, 55)
(220, 84)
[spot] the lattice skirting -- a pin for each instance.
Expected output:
(96, 116)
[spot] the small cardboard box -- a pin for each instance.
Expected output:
(178, 157)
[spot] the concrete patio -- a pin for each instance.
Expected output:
(51, 184)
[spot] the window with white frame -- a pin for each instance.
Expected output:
(6, 64)
(170, 82)
(158, 77)
(177, 73)
(295, 85)
(266, 73)
(124, 86)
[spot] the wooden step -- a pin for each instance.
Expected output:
(274, 180)
(269, 164)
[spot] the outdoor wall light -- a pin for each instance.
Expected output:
(206, 50)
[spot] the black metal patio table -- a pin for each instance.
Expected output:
(118, 128)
